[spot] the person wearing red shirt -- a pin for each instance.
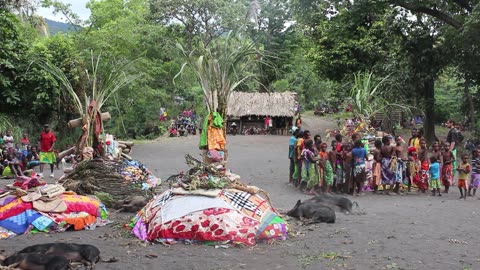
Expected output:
(47, 156)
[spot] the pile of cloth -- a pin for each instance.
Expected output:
(28, 181)
(48, 208)
(207, 205)
(138, 174)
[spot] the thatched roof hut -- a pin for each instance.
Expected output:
(261, 104)
(253, 110)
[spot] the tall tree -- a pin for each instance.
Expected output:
(202, 19)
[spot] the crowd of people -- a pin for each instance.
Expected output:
(17, 156)
(390, 165)
(184, 124)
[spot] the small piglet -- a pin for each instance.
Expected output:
(314, 211)
(87, 254)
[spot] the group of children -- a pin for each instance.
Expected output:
(356, 166)
(17, 157)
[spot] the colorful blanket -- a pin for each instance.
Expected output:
(234, 216)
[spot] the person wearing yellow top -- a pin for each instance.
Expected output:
(414, 141)
(463, 174)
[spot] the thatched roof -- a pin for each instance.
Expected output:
(271, 104)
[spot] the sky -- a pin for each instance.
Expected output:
(77, 6)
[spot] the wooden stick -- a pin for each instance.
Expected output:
(78, 122)
(127, 143)
(67, 152)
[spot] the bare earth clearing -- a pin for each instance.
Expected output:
(391, 232)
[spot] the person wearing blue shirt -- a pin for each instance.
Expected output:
(291, 155)
(359, 156)
(434, 176)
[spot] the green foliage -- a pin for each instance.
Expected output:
(313, 48)
(448, 98)
(221, 67)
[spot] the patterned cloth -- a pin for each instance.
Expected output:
(424, 174)
(215, 138)
(447, 174)
(48, 157)
(339, 174)
(387, 174)
(475, 180)
(20, 223)
(245, 218)
(434, 184)
(400, 171)
(328, 174)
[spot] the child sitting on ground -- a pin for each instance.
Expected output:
(463, 172)
(434, 182)
(14, 164)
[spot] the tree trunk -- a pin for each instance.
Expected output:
(471, 106)
(429, 105)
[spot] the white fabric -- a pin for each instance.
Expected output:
(180, 206)
(8, 138)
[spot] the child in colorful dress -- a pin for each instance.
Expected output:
(463, 173)
(309, 174)
(297, 171)
(447, 167)
(434, 182)
(422, 183)
(326, 169)
(475, 176)
(412, 167)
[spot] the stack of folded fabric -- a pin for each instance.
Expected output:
(48, 208)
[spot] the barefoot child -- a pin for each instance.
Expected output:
(463, 173)
(308, 171)
(387, 174)
(434, 182)
(447, 167)
(325, 168)
(475, 176)
(359, 155)
(297, 170)
(347, 169)
(377, 165)
(422, 183)
(412, 167)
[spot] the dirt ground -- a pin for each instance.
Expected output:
(415, 231)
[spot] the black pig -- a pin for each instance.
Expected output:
(344, 204)
(316, 212)
(31, 261)
(87, 254)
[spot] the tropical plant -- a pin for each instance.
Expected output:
(367, 96)
(5, 123)
(99, 85)
(221, 67)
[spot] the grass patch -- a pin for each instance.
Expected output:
(307, 260)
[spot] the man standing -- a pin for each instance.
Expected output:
(47, 156)
(452, 139)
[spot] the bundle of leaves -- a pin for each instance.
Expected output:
(102, 176)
